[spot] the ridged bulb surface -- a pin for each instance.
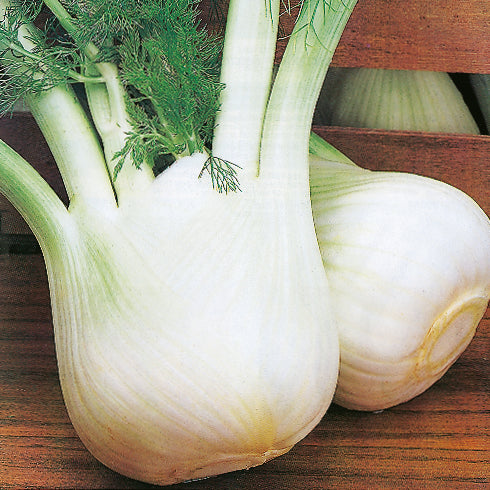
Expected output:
(188, 336)
(409, 100)
(408, 262)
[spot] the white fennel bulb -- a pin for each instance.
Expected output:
(409, 100)
(408, 263)
(190, 346)
(192, 332)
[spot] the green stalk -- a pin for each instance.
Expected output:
(74, 75)
(31, 195)
(69, 135)
(284, 151)
(246, 71)
(108, 111)
(320, 148)
(74, 145)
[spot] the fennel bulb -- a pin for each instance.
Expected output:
(408, 100)
(191, 327)
(408, 263)
(180, 356)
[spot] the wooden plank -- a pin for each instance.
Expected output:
(418, 35)
(11, 222)
(439, 439)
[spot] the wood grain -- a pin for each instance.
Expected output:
(438, 440)
(396, 34)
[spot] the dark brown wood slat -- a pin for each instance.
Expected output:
(439, 35)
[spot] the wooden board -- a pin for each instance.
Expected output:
(438, 440)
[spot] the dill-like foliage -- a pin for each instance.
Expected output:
(169, 65)
(223, 174)
(167, 62)
(172, 69)
(50, 59)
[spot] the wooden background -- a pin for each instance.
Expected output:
(439, 440)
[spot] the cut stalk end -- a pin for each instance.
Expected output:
(450, 334)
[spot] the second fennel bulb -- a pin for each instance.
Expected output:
(408, 263)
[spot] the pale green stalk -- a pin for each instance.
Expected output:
(246, 71)
(69, 135)
(32, 196)
(74, 145)
(320, 148)
(108, 110)
(296, 88)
